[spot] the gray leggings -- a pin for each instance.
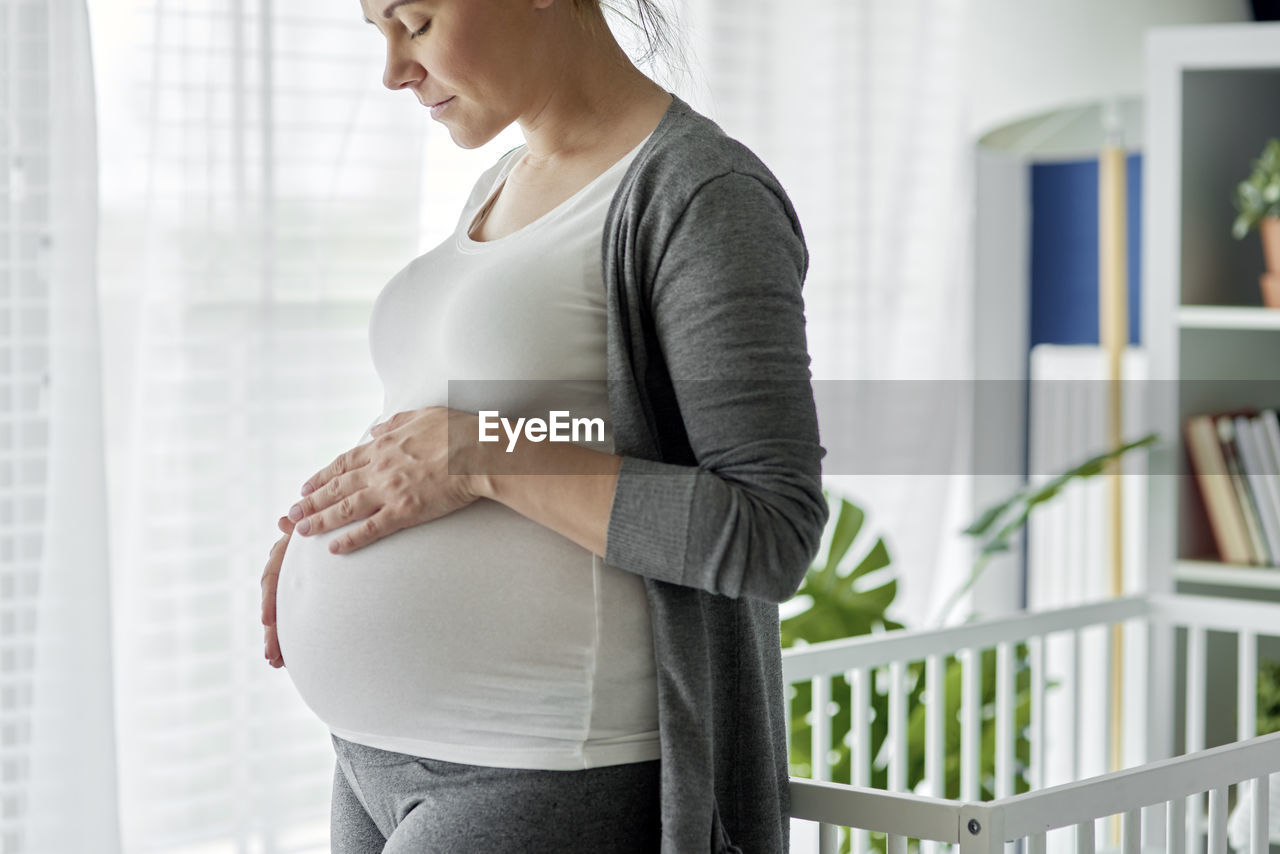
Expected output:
(401, 804)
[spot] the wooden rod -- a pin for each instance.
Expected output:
(1113, 332)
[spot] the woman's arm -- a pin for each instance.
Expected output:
(728, 316)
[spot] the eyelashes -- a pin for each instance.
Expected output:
(421, 31)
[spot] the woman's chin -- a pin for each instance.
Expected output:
(468, 136)
(462, 139)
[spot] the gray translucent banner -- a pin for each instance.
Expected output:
(882, 427)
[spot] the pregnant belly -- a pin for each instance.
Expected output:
(438, 631)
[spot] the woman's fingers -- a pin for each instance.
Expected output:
(285, 524)
(332, 494)
(348, 509)
(270, 578)
(273, 656)
(372, 529)
(346, 462)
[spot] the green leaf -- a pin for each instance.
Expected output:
(1013, 512)
(877, 558)
(989, 516)
(848, 524)
(1254, 197)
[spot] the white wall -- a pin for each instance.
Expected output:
(1032, 55)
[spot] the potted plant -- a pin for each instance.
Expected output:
(1257, 201)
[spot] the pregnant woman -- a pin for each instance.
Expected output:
(533, 645)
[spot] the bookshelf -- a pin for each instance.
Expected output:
(1213, 99)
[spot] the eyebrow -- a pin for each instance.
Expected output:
(386, 13)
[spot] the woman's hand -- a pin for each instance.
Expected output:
(270, 579)
(399, 479)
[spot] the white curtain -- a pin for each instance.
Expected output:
(859, 108)
(57, 746)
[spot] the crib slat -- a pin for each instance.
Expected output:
(820, 728)
(1176, 827)
(1218, 821)
(895, 844)
(1084, 837)
(1195, 688)
(1153, 827)
(935, 739)
(1004, 719)
(1259, 842)
(860, 733)
(1247, 684)
(1195, 726)
(1077, 701)
(935, 735)
(1036, 648)
(897, 727)
(1131, 832)
(828, 839)
(970, 721)
(1037, 844)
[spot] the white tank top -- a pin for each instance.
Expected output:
(483, 637)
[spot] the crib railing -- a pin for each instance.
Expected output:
(1066, 652)
(1135, 794)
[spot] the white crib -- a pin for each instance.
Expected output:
(1159, 801)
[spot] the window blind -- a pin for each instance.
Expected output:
(24, 364)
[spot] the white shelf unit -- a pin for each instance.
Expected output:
(1213, 100)
(1218, 574)
(1227, 317)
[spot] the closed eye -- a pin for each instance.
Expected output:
(414, 34)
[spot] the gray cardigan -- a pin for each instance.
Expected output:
(719, 500)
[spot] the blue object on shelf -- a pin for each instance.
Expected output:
(1064, 251)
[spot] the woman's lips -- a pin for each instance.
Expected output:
(437, 109)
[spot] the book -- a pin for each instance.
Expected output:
(1226, 519)
(1255, 466)
(1230, 453)
(1271, 429)
(1266, 432)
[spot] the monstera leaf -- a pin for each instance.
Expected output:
(839, 608)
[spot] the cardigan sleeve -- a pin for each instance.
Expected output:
(727, 311)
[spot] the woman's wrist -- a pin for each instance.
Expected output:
(477, 461)
(564, 486)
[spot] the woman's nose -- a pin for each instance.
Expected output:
(400, 69)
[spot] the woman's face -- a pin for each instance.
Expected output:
(467, 60)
